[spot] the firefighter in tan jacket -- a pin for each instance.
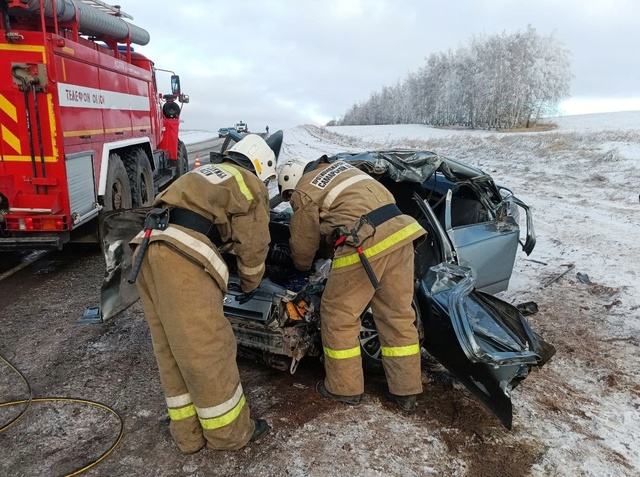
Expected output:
(338, 205)
(182, 283)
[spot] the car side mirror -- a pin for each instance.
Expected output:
(175, 85)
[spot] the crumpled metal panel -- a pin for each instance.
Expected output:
(118, 228)
(488, 333)
(400, 165)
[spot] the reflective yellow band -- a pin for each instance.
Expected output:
(239, 179)
(182, 413)
(391, 240)
(11, 139)
(225, 419)
(409, 350)
(9, 108)
(342, 353)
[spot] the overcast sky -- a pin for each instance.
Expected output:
(290, 62)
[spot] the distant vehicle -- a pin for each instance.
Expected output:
(223, 132)
(242, 127)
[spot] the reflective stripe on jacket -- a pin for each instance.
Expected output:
(237, 202)
(337, 195)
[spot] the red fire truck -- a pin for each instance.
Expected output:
(83, 128)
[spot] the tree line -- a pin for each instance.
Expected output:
(496, 81)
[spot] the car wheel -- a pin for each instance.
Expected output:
(370, 340)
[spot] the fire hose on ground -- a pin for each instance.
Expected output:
(31, 400)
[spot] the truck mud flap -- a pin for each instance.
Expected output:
(483, 341)
(117, 229)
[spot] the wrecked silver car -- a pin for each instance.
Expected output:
(473, 236)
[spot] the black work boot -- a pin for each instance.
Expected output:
(406, 404)
(261, 428)
(350, 400)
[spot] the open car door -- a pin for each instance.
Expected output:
(483, 341)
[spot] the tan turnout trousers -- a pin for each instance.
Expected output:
(347, 294)
(334, 196)
(182, 284)
(195, 350)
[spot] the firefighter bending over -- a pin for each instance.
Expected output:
(182, 283)
(372, 266)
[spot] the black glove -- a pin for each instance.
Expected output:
(242, 298)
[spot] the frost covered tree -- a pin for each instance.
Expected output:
(495, 81)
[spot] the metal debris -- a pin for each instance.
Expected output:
(584, 278)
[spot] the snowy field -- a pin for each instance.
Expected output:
(580, 414)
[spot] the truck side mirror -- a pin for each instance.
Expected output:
(183, 98)
(175, 85)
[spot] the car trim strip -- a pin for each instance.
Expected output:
(395, 351)
(380, 247)
(342, 353)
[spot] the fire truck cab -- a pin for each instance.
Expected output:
(83, 126)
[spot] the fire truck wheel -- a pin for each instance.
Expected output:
(183, 159)
(140, 177)
(118, 191)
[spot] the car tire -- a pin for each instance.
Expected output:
(370, 341)
(117, 194)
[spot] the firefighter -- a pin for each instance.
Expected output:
(182, 283)
(338, 205)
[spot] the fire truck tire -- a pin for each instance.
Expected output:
(140, 178)
(118, 191)
(183, 159)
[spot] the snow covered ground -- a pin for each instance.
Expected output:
(582, 181)
(580, 414)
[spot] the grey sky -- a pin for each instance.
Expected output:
(290, 62)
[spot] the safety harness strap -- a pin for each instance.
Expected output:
(196, 222)
(382, 214)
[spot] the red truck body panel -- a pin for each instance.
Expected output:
(89, 101)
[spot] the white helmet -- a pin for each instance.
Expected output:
(290, 173)
(260, 155)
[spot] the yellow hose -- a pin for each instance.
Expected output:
(31, 399)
